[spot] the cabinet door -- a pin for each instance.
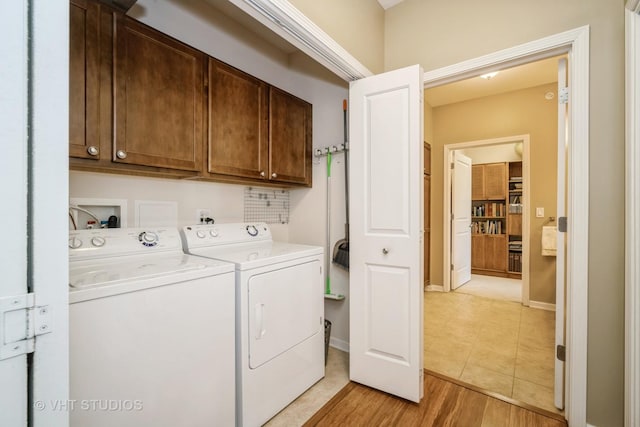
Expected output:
(496, 252)
(289, 138)
(83, 79)
(427, 159)
(238, 132)
(477, 251)
(477, 182)
(427, 229)
(158, 97)
(495, 180)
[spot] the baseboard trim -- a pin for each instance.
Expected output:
(542, 305)
(339, 344)
(434, 288)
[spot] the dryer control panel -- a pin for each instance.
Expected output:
(199, 236)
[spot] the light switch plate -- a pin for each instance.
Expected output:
(539, 212)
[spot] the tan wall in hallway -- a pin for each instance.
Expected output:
(515, 113)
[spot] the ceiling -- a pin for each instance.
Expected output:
(386, 4)
(521, 77)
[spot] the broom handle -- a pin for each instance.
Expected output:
(346, 169)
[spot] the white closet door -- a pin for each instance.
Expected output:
(386, 275)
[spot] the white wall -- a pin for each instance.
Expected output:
(200, 25)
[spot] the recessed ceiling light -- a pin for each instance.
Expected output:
(489, 76)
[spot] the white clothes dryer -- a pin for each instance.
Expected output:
(151, 331)
(280, 314)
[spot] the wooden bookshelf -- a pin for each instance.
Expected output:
(496, 219)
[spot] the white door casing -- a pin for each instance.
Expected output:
(563, 136)
(461, 221)
(14, 165)
(386, 274)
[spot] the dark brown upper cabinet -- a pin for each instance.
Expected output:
(290, 127)
(238, 137)
(158, 98)
(83, 80)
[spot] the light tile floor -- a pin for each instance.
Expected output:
(493, 287)
(497, 345)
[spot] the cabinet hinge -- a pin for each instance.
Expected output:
(562, 224)
(563, 95)
(453, 165)
(561, 353)
(20, 322)
(451, 267)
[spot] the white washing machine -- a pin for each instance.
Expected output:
(151, 331)
(280, 314)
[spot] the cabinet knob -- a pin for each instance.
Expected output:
(274, 175)
(92, 150)
(121, 154)
(262, 174)
(385, 251)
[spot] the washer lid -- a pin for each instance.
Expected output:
(92, 273)
(248, 256)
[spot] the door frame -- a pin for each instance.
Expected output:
(632, 215)
(448, 193)
(574, 43)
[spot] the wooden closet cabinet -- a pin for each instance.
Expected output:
(158, 98)
(489, 181)
(84, 61)
(427, 214)
(290, 138)
(238, 137)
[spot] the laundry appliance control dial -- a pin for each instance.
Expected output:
(148, 238)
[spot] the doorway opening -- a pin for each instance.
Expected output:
(498, 223)
(575, 45)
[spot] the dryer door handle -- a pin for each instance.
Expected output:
(260, 330)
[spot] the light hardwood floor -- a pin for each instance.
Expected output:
(445, 404)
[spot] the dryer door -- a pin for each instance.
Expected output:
(284, 310)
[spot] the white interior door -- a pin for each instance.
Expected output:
(461, 221)
(386, 274)
(563, 135)
(13, 164)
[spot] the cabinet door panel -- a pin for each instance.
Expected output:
(495, 178)
(477, 251)
(289, 138)
(238, 132)
(83, 79)
(158, 91)
(427, 228)
(477, 182)
(496, 252)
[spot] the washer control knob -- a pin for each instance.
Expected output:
(75, 243)
(201, 234)
(252, 230)
(98, 241)
(214, 233)
(148, 238)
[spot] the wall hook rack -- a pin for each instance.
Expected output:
(322, 152)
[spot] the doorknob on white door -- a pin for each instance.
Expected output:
(385, 251)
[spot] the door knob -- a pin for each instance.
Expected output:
(385, 251)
